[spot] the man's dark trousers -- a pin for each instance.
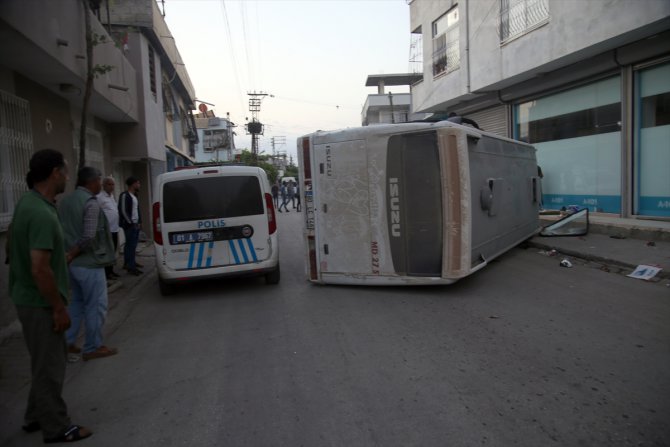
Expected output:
(115, 238)
(132, 234)
(48, 356)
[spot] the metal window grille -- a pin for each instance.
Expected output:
(16, 148)
(416, 53)
(446, 46)
(152, 72)
(215, 139)
(518, 17)
(94, 149)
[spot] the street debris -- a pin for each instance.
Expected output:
(651, 244)
(566, 263)
(550, 253)
(616, 236)
(645, 272)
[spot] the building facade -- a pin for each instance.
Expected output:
(389, 108)
(216, 141)
(165, 135)
(139, 115)
(43, 72)
(586, 82)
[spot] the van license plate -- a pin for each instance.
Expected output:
(191, 237)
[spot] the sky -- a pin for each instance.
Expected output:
(312, 56)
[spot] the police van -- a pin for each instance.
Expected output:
(411, 204)
(213, 222)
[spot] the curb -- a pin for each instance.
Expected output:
(592, 258)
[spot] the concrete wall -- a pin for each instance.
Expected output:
(577, 30)
(146, 14)
(153, 107)
(41, 25)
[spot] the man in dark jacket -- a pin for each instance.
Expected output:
(130, 220)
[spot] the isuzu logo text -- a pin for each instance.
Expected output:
(394, 199)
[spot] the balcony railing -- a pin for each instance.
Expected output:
(517, 17)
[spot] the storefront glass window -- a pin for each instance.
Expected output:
(577, 134)
(652, 141)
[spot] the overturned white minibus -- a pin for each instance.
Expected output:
(415, 203)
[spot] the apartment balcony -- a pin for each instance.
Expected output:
(44, 41)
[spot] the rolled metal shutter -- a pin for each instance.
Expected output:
(494, 120)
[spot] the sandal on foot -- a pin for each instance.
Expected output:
(73, 433)
(102, 351)
(31, 427)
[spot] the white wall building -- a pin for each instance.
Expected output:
(388, 108)
(216, 141)
(587, 82)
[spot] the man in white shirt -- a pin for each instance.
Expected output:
(108, 205)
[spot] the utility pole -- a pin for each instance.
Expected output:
(255, 127)
(391, 101)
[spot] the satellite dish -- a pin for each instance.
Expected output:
(203, 108)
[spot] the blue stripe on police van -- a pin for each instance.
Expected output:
(201, 251)
(244, 252)
(252, 250)
(191, 253)
(209, 254)
(233, 251)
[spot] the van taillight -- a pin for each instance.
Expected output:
(158, 236)
(272, 220)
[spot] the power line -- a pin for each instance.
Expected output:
(259, 59)
(232, 52)
(337, 106)
(250, 73)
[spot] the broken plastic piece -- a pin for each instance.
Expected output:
(576, 224)
(565, 263)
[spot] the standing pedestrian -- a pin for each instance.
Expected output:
(130, 220)
(297, 195)
(290, 191)
(275, 194)
(90, 248)
(109, 206)
(283, 197)
(38, 285)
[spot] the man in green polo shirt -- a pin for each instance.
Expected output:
(38, 286)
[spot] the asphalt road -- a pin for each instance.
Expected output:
(522, 353)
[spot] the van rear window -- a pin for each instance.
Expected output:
(214, 197)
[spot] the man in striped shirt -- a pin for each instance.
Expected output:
(90, 249)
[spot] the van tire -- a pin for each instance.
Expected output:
(273, 276)
(165, 288)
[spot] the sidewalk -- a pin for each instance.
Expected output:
(14, 359)
(617, 244)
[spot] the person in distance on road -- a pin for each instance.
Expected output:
(275, 194)
(290, 191)
(90, 250)
(38, 286)
(283, 198)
